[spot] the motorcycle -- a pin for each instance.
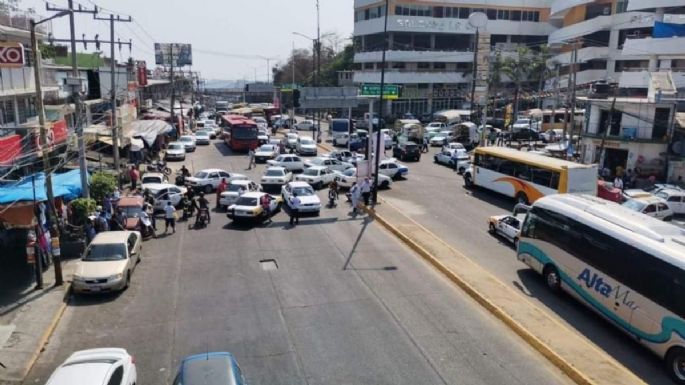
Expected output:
(188, 209)
(332, 197)
(159, 166)
(202, 219)
(180, 179)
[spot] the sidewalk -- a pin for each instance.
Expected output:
(28, 317)
(582, 361)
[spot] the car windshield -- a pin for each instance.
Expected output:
(523, 121)
(106, 252)
(292, 136)
(635, 204)
(175, 146)
(152, 179)
(201, 175)
(350, 172)
(306, 141)
(235, 187)
(303, 191)
(185, 139)
(131, 211)
(201, 133)
(245, 201)
(266, 148)
(311, 171)
(274, 173)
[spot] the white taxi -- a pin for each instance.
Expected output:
(248, 207)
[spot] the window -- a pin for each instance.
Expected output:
(515, 15)
(661, 118)
(7, 112)
(503, 14)
(398, 65)
(492, 14)
(464, 13)
(674, 199)
(117, 376)
(423, 66)
(439, 66)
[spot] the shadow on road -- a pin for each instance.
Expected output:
(93, 299)
(367, 220)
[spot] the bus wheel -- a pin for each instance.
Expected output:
(675, 364)
(552, 278)
(522, 198)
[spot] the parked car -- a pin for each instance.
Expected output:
(331, 163)
(266, 152)
(508, 226)
(175, 151)
(208, 179)
(290, 162)
(213, 368)
(232, 192)
(98, 366)
(317, 176)
(188, 141)
(607, 190)
(653, 206)
(393, 169)
(275, 176)
(346, 178)
(675, 198)
(166, 192)
(306, 146)
(407, 151)
(309, 201)
(108, 262)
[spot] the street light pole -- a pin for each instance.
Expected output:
(377, 133)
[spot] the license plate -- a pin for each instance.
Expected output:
(95, 287)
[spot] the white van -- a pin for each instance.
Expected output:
(675, 198)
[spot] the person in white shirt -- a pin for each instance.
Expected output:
(618, 182)
(250, 154)
(365, 189)
(170, 217)
(295, 210)
(354, 197)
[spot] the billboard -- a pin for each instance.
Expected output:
(11, 55)
(182, 54)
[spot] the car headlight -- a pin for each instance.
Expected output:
(115, 277)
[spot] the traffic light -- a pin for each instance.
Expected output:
(296, 98)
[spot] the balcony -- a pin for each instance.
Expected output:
(446, 25)
(16, 81)
(582, 77)
(584, 54)
(654, 46)
(393, 76)
(415, 56)
(600, 23)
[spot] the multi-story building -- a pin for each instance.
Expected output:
(430, 45)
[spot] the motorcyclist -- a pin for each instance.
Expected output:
(332, 194)
(202, 204)
(184, 171)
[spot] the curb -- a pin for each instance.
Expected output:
(572, 372)
(48, 332)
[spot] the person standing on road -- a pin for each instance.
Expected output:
(365, 189)
(169, 217)
(424, 146)
(220, 188)
(354, 197)
(133, 174)
(295, 210)
(250, 154)
(265, 202)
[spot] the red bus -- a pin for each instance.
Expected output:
(239, 132)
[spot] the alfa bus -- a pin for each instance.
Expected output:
(239, 132)
(626, 266)
(528, 176)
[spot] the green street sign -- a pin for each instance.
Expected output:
(289, 87)
(390, 91)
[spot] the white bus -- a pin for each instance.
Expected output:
(526, 176)
(626, 266)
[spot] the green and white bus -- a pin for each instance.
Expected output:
(624, 265)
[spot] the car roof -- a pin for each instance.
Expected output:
(241, 181)
(159, 186)
(672, 191)
(212, 170)
(315, 167)
(107, 237)
(185, 136)
(298, 183)
(275, 168)
(217, 366)
(130, 201)
(650, 199)
(253, 194)
(176, 142)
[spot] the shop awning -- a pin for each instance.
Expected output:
(148, 130)
(66, 185)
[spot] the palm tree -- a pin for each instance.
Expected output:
(519, 70)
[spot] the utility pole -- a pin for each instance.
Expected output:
(318, 68)
(475, 76)
(377, 155)
(113, 91)
(608, 129)
(173, 89)
(83, 167)
(573, 92)
(571, 100)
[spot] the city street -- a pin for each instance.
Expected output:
(335, 299)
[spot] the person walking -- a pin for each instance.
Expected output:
(354, 197)
(133, 175)
(169, 217)
(365, 190)
(295, 210)
(265, 202)
(250, 154)
(220, 188)
(424, 146)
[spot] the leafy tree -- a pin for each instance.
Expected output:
(523, 69)
(81, 208)
(101, 184)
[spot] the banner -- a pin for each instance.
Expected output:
(668, 29)
(177, 54)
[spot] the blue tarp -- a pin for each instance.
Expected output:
(66, 185)
(667, 30)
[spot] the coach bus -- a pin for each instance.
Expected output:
(528, 176)
(239, 132)
(626, 266)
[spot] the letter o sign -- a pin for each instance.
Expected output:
(11, 55)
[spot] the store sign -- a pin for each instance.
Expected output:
(11, 55)
(448, 93)
(433, 25)
(390, 91)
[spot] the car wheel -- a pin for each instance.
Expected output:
(397, 175)
(675, 364)
(318, 185)
(552, 278)
(467, 181)
(385, 184)
(492, 229)
(461, 170)
(668, 219)
(335, 142)
(128, 280)
(435, 159)
(207, 189)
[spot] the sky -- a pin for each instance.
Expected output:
(217, 30)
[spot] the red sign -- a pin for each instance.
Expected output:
(11, 55)
(142, 74)
(10, 148)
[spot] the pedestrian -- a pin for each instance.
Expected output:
(492, 136)
(219, 189)
(169, 217)
(119, 220)
(250, 154)
(101, 223)
(107, 204)
(618, 182)
(295, 210)
(424, 147)
(354, 197)
(500, 138)
(365, 190)
(133, 174)
(90, 230)
(150, 210)
(265, 202)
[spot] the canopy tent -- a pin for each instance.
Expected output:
(148, 130)
(66, 186)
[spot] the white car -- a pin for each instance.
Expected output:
(675, 199)
(332, 163)
(152, 178)
(261, 123)
(306, 146)
(442, 138)
(266, 152)
(392, 168)
(291, 140)
(108, 262)
(346, 178)
(436, 126)
(233, 190)
(456, 159)
(248, 207)
(508, 226)
(262, 137)
(275, 177)
(202, 137)
(288, 161)
(309, 201)
(188, 141)
(96, 366)
(317, 176)
(210, 124)
(208, 179)
(166, 192)
(305, 125)
(653, 206)
(175, 151)
(345, 156)
(454, 146)
(524, 124)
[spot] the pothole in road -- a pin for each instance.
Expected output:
(268, 264)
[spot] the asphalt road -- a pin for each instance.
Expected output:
(435, 197)
(347, 304)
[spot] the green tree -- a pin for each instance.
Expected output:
(81, 208)
(523, 69)
(101, 184)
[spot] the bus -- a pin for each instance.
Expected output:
(626, 266)
(239, 132)
(527, 176)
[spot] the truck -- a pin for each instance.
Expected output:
(364, 123)
(221, 105)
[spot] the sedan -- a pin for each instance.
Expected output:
(96, 366)
(393, 169)
(202, 137)
(266, 152)
(305, 125)
(166, 192)
(175, 151)
(209, 368)
(306, 146)
(317, 176)
(331, 163)
(508, 226)
(309, 201)
(188, 141)
(291, 140)
(348, 177)
(248, 207)
(235, 189)
(275, 177)
(653, 206)
(208, 179)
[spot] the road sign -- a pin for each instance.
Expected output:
(289, 87)
(328, 97)
(390, 91)
(11, 55)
